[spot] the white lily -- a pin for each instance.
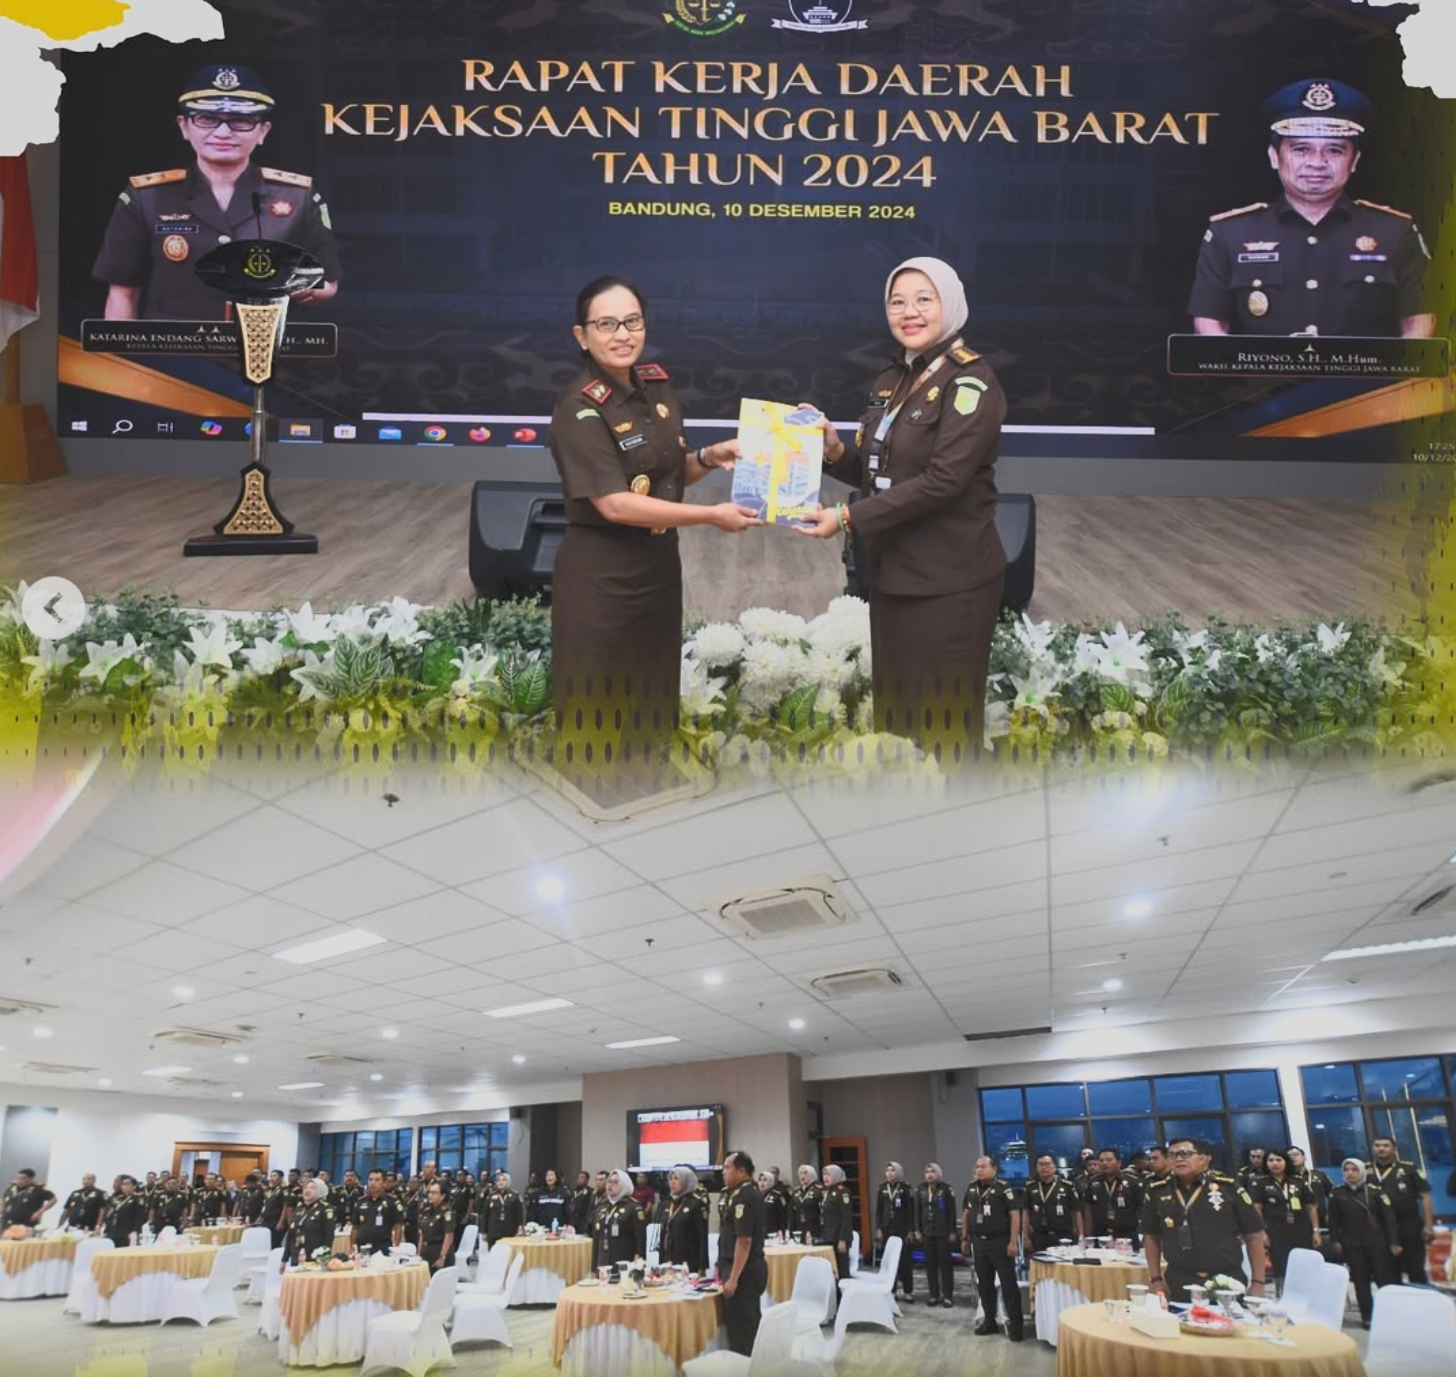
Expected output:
(998, 722)
(308, 672)
(1388, 675)
(102, 659)
(309, 628)
(213, 646)
(1036, 637)
(476, 665)
(1264, 648)
(1331, 641)
(701, 695)
(266, 656)
(1118, 656)
(398, 624)
(354, 622)
(1035, 690)
(12, 602)
(50, 658)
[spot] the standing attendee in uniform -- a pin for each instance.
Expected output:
(211, 1201)
(251, 1205)
(1114, 1199)
(1363, 1233)
(742, 1267)
(778, 1204)
(619, 1225)
(836, 1217)
(276, 1206)
(164, 222)
(126, 1215)
(1253, 1168)
(1160, 1168)
(26, 1200)
(1289, 1209)
(1197, 1224)
(170, 1208)
(991, 1226)
(895, 1218)
(437, 1224)
(1053, 1208)
(350, 1190)
(923, 461)
(84, 1207)
(1313, 261)
(553, 1202)
(1318, 1183)
(377, 1218)
(808, 1204)
(1085, 1169)
(685, 1224)
(313, 1227)
(935, 1231)
(462, 1199)
(505, 1213)
(583, 1202)
(618, 441)
(1409, 1194)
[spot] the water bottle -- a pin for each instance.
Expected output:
(555, 1228)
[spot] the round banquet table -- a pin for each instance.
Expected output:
(36, 1266)
(217, 1234)
(324, 1316)
(133, 1284)
(783, 1265)
(1058, 1286)
(1092, 1346)
(599, 1333)
(550, 1266)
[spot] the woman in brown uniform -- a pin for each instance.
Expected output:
(922, 461)
(616, 618)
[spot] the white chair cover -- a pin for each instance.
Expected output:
(600, 1349)
(1412, 1334)
(81, 1278)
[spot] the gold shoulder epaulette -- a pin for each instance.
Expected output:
(146, 179)
(272, 174)
(1242, 210)
(963, 355)
(651, 372)
(1389, 210)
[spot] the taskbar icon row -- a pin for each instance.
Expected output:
(308, 431)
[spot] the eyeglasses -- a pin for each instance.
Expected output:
(1179, 1154)
(608, 325)
(898, 306)
(239, 124)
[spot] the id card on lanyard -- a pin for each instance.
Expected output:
(892, 414)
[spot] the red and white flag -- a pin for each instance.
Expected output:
(19, 279)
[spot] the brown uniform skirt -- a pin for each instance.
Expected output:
(931, 656)
(616, 643)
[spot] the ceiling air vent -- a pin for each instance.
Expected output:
(1439, 902)
(192, 1082)
(809, 906)
(847, 984)
(195, 1037)
(55, 1068)
(336, 1059)
(10, 1006)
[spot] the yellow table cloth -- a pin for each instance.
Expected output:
(783, 1265)
(569, 1258)
(18, 1254)
(114, 1269)
(681, 1328)
(1107, 1282)
(217, 1235)
(1090, 1345)
(307, 1294)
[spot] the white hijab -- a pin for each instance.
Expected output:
(623, 1184)
(948, 287)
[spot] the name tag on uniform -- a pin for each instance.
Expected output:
(882, 482)
(184, 228)
(1059, 1207)
(379, 1221)
(631, 442)
(1258, 258)
(874, 464)
(986, 1210)
(615, 1230)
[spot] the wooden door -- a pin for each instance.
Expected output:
(233, 1160)
(849, 1153)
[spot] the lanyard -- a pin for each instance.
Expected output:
(892, 413)
(1190, 1202)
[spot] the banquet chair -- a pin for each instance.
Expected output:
(654, 1245)
(258, 1277)
(812, 1351)
(414, 1340)
(404, 1250)
(490, 1275)
(481, 1316)
(854, 1253)
(270, 1321)
(771, 1350)
(1412, 1334)
(1301, 1282)
(469, 1237)
(82, 1281)
(168, 1235)
(256, 1244)
(813, 1295)
(1332, 1291)
(205, 1299)
(869, 1300)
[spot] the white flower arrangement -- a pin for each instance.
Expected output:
(1223, 1285)
(533, 1230)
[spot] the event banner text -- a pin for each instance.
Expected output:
(698, 103)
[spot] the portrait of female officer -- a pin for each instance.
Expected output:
(923, 462)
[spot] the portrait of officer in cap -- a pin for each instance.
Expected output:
(163, 222)
(1313, 261)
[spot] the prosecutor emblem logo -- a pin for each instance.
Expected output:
(820, 18)
(259, 263)
(705, 18)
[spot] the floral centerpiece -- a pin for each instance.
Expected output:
(1224, 1290)
(533, 1230)
(637, 1273)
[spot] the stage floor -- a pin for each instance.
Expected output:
(1120, 557)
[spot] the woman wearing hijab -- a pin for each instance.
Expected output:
(619, 1226)
(685, 1222)
(778, 1207)
(1363, 1233)
(1290, 1210)
(836, 1228)
(313, 1227)
(895, 1218)
(923, 462)
(808, 1203)
(618, 441)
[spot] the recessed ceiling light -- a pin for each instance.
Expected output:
(549, 888)
(1138, 908)
(44, 1032)
(104, 1082)
(166, 1071)
(237, 1094)
(375, 1076)
(241, 1059)
(519, 1059)
(713, 978)
(639, 1042)
(1112, 983)
(302, 1085)
(183, 991)
(535, 1006)
(796, 1024)
(1391, 948)
(355, 939)
(390, 1033)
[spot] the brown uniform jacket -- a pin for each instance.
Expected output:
(932, 530)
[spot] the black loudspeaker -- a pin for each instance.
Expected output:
(1015, 524)
(950, 1078)
(516, 526)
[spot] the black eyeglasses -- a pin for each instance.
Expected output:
(239, 124)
